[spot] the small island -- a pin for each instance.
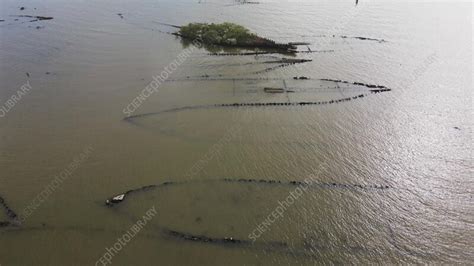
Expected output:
(229, 34)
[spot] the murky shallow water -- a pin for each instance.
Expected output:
(416, 139)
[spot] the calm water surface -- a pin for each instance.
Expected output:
(87, 64)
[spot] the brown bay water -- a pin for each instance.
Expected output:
(87, 64)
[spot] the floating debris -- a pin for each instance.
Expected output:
(120, 15)
(273, 90)
(115, 199)
(276, 90)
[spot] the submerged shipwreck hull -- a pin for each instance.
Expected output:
(259, 42)
(229, 34)
(114, 200)
(234, 194)
(10, 214)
